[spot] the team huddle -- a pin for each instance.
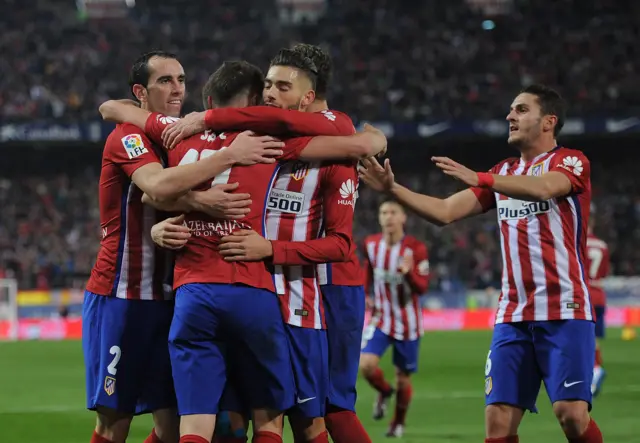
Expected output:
(227, 289)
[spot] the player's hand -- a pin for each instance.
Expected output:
(456, 170)
(375, 176)
(221, 202)
(406, 264)
(245, 245)
(378, 139)
(171, 233)
(249, 149)
(187, 126)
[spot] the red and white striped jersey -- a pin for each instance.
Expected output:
(129, 265)
(598, 264)
(543, 243)
(397, 311)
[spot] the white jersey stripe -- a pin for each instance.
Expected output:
(121, 290)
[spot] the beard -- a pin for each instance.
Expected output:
(296, 106)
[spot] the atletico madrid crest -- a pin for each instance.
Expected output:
(299, 171)
(109, 385)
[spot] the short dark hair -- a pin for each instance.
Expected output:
(294, 59)
(551, 103)
(323, 62)
(139, 73)
(231, 79)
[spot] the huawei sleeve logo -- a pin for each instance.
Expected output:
(348, 193)
(166, 120)
(329, 115)
(572, 164)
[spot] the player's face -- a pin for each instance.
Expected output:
(525, 120)
(287, 88)
(165, 90)
(391, 217)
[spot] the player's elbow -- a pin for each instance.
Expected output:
(107, 110)
(543, 192)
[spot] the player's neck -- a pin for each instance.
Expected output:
(391, 238)
(530, 152)
(318, 106)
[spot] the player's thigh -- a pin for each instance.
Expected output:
(600, 326)
(344, 313)
(158, 392)
(116, 348)
(405, 355)
(565, 355)
(374, 342)
(309, 360)
(197, 348)
(264, 366)
(511, 374)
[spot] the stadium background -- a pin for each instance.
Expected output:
(436, 77)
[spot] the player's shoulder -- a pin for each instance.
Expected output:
(127, 136)
(508, 162)
(372, 238)
(563, 152)
(412, 241)
(596, 242)
(342, 120)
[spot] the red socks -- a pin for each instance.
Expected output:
(191, 438)
(345, 426)
(96, 438)
(510, 439)
(229, 439)
(598, 357)
(377, 381)
(265, 437)
(403, 398)
(591, 435)
(153, 437)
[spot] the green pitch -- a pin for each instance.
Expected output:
(42, 395)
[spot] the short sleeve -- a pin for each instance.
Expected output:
(156, 123)
(486, 196)
(293, 147)
(131, 150)
(575, 166)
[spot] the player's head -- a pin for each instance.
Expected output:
(235, 84)
(291, 81)
(392, 217)
(538, 111)
(157, 82)
(322, 60)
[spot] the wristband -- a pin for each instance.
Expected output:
(485, 180)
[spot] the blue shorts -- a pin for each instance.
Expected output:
(344, 308)
(600, 311)
(310, 362)
(209, 321)
(522, 355)
(405, 352)
(126, 354)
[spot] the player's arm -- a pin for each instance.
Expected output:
(438, 211)
(355, 147)
(418, 275)
(337, 245)
(568, 174)
(126, 111)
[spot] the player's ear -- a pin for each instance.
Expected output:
(308, 98)
(549, 122)
(140, 92)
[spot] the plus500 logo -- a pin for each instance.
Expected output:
(518, 209)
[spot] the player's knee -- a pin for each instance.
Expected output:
(368, 364)
(268, 420)
(573, 417)
(113, 425)
(502, 420)
(167, 425)
(403, 379)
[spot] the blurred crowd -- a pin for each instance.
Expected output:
(395, 59)
(49, 228)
